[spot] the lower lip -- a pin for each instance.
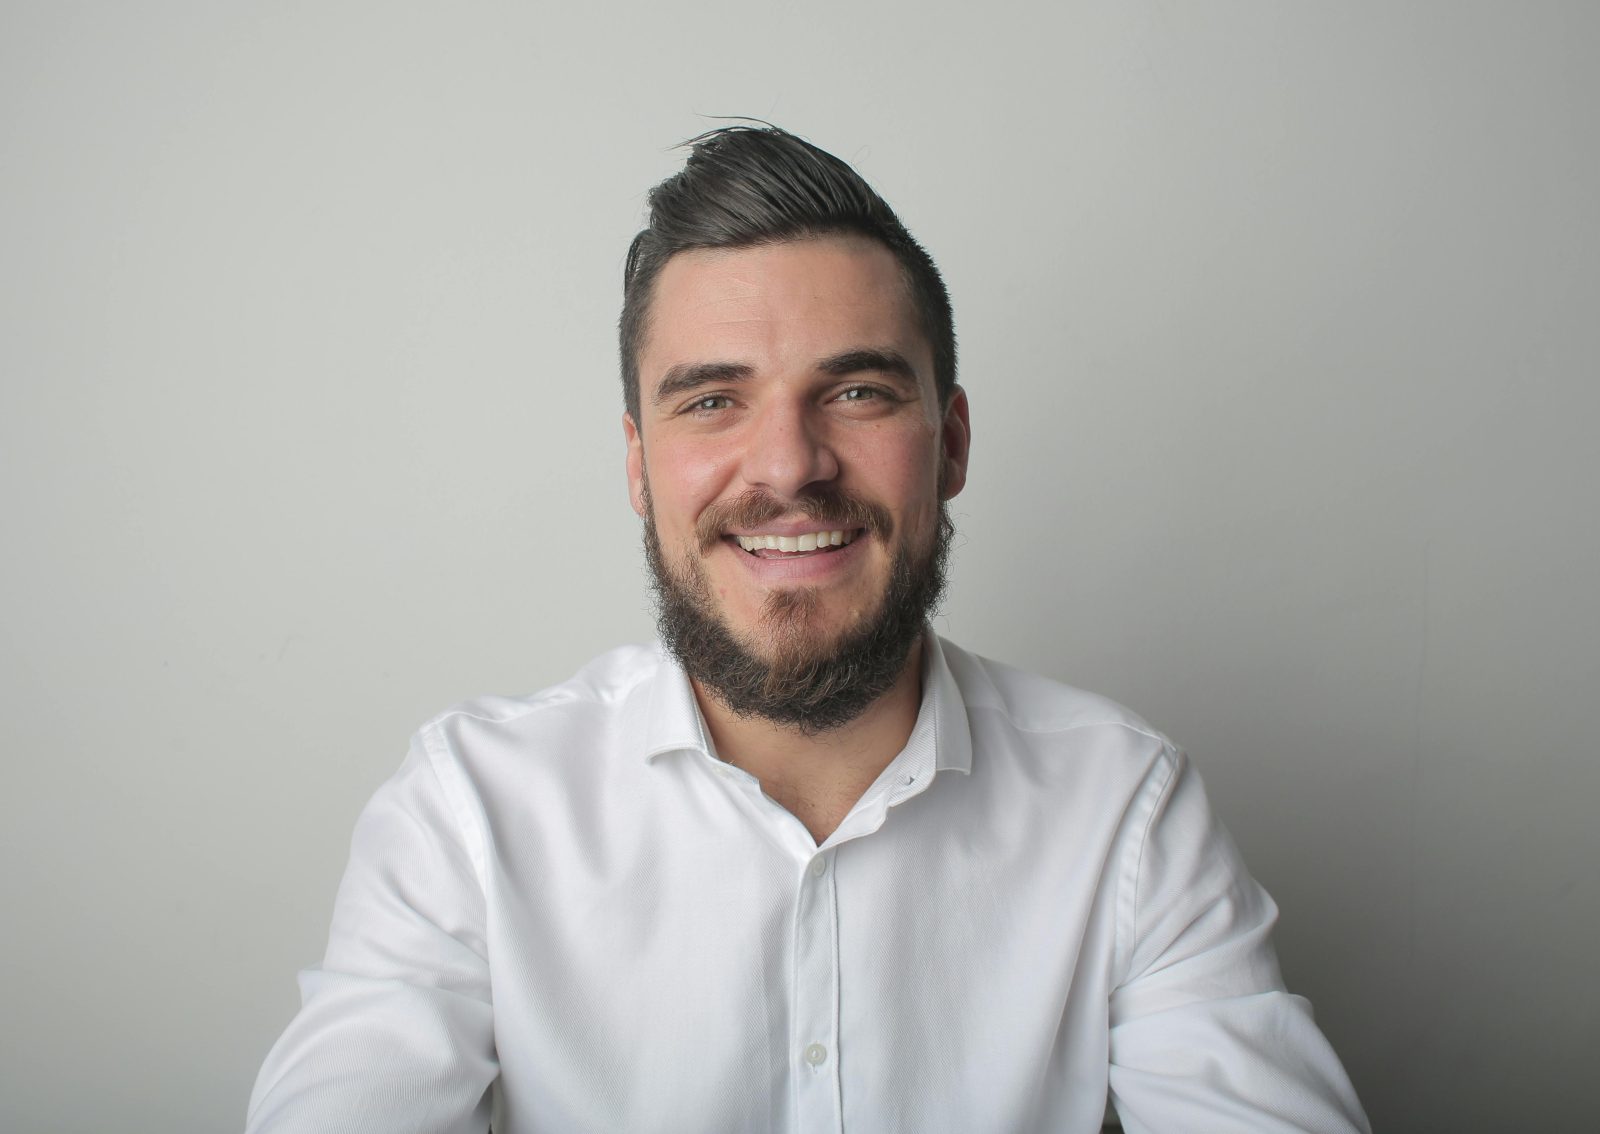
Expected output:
(816, 566)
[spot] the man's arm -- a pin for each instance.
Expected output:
(1203, 1034)
(395, 1032)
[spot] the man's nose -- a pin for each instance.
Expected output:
(789, 450)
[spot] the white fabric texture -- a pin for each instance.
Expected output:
(566, 911)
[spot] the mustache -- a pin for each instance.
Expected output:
(830, 507)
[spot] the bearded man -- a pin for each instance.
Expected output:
(803, 866)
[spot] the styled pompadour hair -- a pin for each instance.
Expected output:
(745, 186)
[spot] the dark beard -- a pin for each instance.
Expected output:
(805, 686)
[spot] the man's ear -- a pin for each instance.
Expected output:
(955, 433)
(635, 463)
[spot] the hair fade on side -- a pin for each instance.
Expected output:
(750, 185)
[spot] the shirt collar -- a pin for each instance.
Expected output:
(941, 697)
(668, 717)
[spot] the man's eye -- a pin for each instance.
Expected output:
(861, 394)
(708, 404)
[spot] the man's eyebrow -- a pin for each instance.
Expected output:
(883, 360)
(687, 376)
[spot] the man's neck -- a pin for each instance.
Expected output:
(818, 778)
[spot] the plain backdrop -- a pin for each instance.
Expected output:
(1280, 326)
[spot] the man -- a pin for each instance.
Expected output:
(804, 866)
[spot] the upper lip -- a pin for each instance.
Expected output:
(796, 528)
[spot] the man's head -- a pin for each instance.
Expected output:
(790, 442)
(745, 186)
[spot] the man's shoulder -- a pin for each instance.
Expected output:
(1031, 702)
(604, 686)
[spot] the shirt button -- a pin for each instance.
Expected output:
(816, 1055)
(819, 867)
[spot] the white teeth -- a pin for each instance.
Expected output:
(811, 541)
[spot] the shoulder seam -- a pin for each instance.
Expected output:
(477, 848)
(1172, 758)
(1106, 723)
(548, 698)
(524, 705)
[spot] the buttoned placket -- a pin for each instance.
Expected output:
(813, 1055)
(814, 1059)
(814, 1039)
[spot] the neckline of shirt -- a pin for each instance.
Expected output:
(672, 722)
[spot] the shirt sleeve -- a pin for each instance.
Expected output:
(396, 1029)
(1204, 1035)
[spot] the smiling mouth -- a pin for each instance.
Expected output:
(775, 546)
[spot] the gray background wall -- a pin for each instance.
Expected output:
(1280, 326)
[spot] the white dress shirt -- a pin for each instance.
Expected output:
(566, 912)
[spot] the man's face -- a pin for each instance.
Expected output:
(787, 397)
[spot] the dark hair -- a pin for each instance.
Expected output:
(749, 185)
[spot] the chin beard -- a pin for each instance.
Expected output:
(800, 680)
